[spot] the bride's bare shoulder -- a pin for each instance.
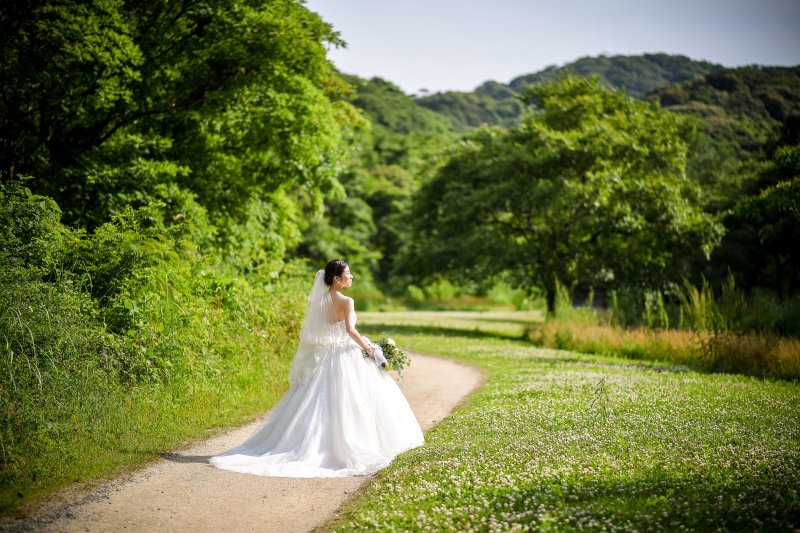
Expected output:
(342, 305)
(342, 301)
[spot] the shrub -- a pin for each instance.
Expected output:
(134, 337)
(726, 331)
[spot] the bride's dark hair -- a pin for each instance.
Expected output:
(334, 268)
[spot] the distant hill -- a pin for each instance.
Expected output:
(745, 110)
(388, 107)
(491, 103)
(743, 115)
(402, 131)
(750, 107)
(494, 103)
(638, 75)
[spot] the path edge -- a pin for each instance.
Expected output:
(466, 399)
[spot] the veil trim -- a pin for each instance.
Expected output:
(319, 331)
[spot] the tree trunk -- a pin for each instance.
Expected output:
(779, 283)
(550, 296)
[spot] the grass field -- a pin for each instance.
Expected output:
(557, 440)
(507, 324)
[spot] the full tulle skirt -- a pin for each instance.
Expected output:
(348, 418)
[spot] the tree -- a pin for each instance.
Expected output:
(590, 189)
(390, 153)
(108, 103)
(68, 70)
(763, 229)
(774, 218)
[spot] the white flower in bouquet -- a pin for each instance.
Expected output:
(387, 355)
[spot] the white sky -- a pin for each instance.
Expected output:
(442, 45)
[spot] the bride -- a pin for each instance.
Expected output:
(342, 415)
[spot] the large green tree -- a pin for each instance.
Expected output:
(591, 188)
(109, 103)
(763, 230)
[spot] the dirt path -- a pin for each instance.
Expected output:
(182, 492)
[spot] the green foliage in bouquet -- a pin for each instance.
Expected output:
(396, 359)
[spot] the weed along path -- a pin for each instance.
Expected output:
(182, 492)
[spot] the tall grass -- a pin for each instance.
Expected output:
(79, 402)
(717, 332)
(125, 343)
(675, 346)
(734, 335)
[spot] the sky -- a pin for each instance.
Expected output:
(441, 45)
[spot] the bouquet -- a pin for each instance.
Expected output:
(387, 355)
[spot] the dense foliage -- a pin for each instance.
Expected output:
(491, 103)
(747, 105)
(107, 335)
(763, 232)
(591, 189)
(743, 115)
(393, 152)
(495, 103)
(159, 164)
(746, 159)
(109, 104)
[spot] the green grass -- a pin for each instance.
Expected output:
(560, 440)
(71, 416)
(498, 323)
(99, 429)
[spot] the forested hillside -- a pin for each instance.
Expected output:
(392, 151)
(494, 103)
(746, 112)
(638, 75)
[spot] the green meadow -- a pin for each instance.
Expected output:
(558, 440)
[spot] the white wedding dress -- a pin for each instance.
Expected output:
(342, 415)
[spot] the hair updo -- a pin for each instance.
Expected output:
(334, 268)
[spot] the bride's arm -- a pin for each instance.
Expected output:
(350, 325)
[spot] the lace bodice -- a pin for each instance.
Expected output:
(340, 331)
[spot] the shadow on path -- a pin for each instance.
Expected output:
(181, 458)
(446, 332)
